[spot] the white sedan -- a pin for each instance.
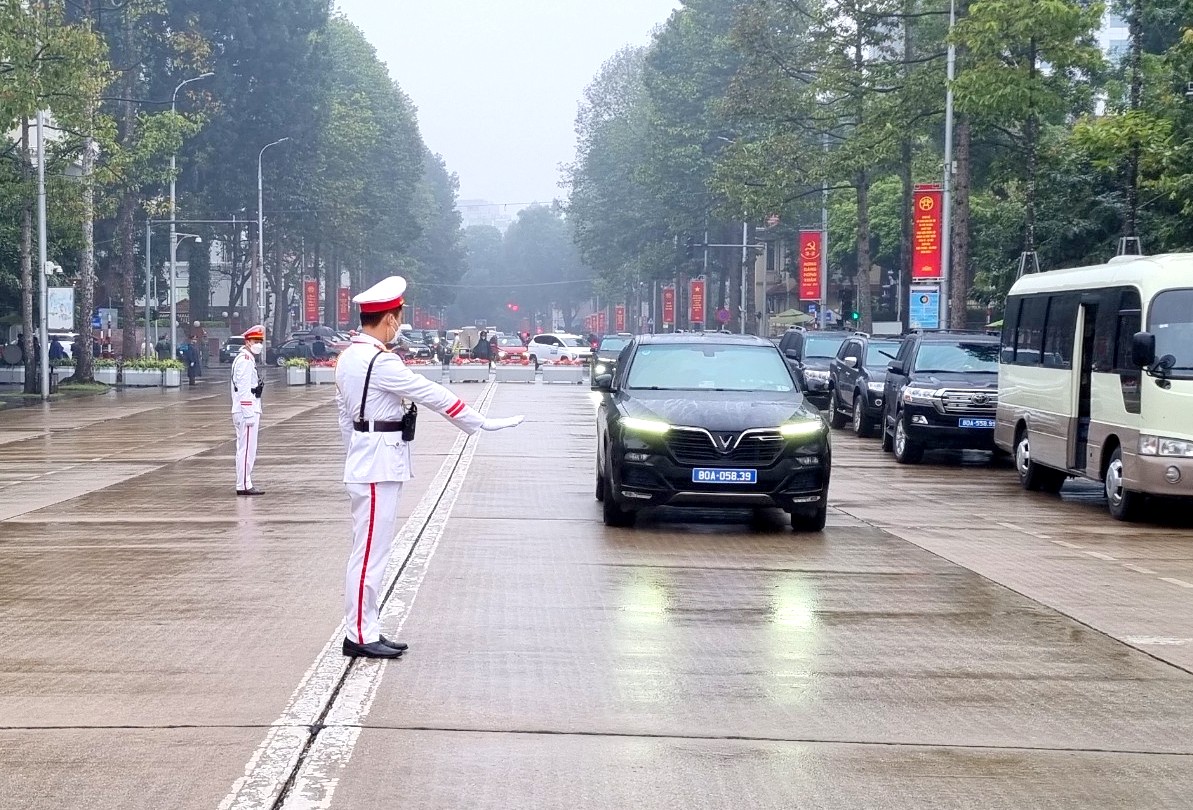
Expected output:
(556, 346)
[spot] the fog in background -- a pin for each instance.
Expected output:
(497, 83)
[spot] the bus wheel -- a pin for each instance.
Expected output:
(1124, 504)
(1032, 476)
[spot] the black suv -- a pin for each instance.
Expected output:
(231, 348)
(857, 377)
(941, 392)
(809, 352)
(708, 420)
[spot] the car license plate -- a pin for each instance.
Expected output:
(975, 423)
(704, 475)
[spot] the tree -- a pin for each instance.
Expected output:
(543, 266)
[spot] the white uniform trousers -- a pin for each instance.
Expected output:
(246, 448)
(374, 523)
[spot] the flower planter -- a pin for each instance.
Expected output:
(322, 375)
(172, 378)
(106, 375)
(142, 378)
(12, 374)
(514, 373)
(469, 372)
(563, 374)
(296, 375)
(434, 373)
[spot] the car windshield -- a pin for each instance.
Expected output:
(613, 344)
(879, 354)
(1171, 321)
(574, 341)
(509, 342)
(825, 346)
(710, 367)
(944, 358)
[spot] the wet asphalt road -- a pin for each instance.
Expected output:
(949, 641)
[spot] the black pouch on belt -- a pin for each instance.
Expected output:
(409, 423)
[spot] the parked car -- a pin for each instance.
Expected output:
(298, 347)
(941, 392)
(857, 376)
(231, 348)
(810, 353)
(709, 420)
(608, 348)
(556, 346)
(509, 347)
(408, 347)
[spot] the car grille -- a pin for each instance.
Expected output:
(694, 447)
(969, 403)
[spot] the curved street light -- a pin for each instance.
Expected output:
(261, 230)
(173, 215)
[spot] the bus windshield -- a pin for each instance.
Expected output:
(1171, 321)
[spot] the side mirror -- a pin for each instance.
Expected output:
(895, 367)
(850, 361)
(603, 382)
(792, 354)
(1143, 349)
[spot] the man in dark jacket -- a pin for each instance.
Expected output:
(482, 350)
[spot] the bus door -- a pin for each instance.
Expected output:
(1084, 364)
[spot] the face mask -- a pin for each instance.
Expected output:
(255, 348)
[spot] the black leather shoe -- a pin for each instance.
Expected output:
(253, 491)
(373, 650)
(400, 646)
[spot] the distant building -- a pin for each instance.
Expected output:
(1114, 38)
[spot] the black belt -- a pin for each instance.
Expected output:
(378, 426)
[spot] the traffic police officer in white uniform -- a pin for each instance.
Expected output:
(246, 389)
(377, 428)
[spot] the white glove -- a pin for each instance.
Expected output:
(502, 424)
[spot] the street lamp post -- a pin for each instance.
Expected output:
(946, 234)
(173, 216)
(261, 230)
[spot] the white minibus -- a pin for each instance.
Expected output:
(1096, 379)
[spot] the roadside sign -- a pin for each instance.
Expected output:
(924, 309)
(722, 315)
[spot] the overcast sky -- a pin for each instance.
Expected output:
(497, 83)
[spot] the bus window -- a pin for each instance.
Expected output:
(1058, 336)
(1029, 334)
(1130, 321)
(1170, 319)
(1010, 322)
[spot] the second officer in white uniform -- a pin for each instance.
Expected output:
(246, 389)
(373, 387)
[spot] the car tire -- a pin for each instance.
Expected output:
(1032, 476)
(600, 486)
(810, 521)
(861, 425)
(611, 512)
(888, 441)
(835, 417)
(1124, 504)
(280, 362)
(907, 450)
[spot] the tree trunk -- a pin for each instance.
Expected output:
(906, 259)
(31, 384)
(126, 249)
(959, 281)
(1030, 138)
(1135, 26)
(84, 367)
(332, 285)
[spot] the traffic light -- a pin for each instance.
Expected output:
(855, 316)
(512, 307)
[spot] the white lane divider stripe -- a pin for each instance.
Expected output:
(1139, 569)
(1099, 555)
(1178, 582)
(271, 764)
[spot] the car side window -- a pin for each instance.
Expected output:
(853, 349)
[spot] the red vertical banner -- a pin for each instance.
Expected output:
(310, 297)
(600, 324)
(619, 318)
(696, 312)
(345, 307)
(811, 245)
(926, 232)
(668, 305)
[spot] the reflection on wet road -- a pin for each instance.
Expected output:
(947, 641)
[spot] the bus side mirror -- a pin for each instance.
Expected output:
(603, 382)
(1143, 349)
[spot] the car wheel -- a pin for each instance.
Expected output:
(1124, 504)
(861, 425)
(810, 521)
(835, 417)
(280, 362)
(907, 450)
(1032, 476)
(600, 486)
(888, 442)
(611, 511)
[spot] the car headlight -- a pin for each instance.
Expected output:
(797, 430)
(502, 355)
(652, 426)
(875, 387)
(918, 396)
(601, 368)
(816, 374)
(1164, 446)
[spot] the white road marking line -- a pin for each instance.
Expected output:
(275, 758)
(328, 758)
(1067, 545)
(1162, 641)
(1015, 528)
(1139, 569)
(1178, 582)
(1100, 555)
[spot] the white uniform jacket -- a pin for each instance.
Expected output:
(244, 379)
(374, 457)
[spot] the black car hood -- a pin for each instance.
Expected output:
(718, 410)
(958, 379)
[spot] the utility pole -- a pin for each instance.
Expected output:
(42, 258)
(745, 255)
(946, 235)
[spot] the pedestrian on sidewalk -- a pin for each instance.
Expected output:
(246, 390)
(190, 356)
(483, 349)
(372, 388)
